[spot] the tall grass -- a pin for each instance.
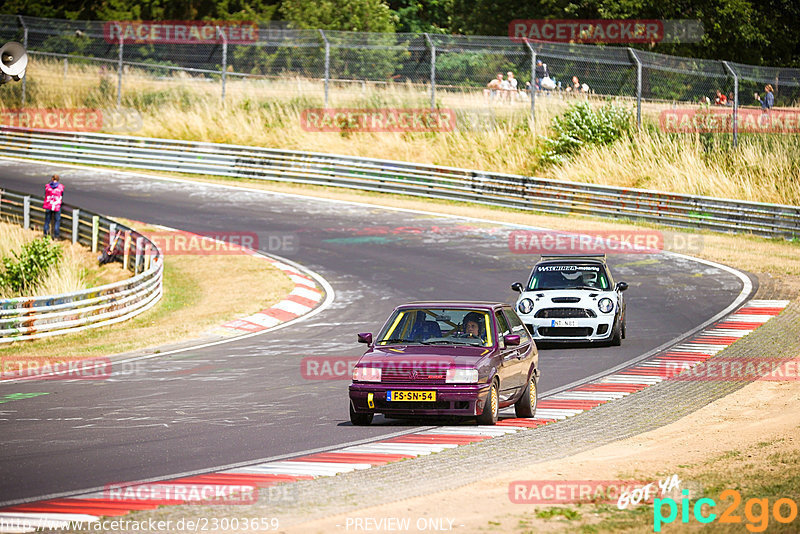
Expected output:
(261, 112)
(76, 270)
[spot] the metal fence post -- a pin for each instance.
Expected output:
(76, 220)
(224, 58)
(147, 254)
(26, 212)
(119, 75)
(433, 70)
(138, 264)
(126, 251)
(638, 86)
(533, 85)
(735, 117)
(327, 64)
(25, 45)
(95, 231)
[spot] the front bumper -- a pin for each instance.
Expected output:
(571, 330)
(451, 399)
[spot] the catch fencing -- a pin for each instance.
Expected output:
(426, 181)
(308, 64)
(37, 317)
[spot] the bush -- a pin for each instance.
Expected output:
(581, 125)
(29, 266)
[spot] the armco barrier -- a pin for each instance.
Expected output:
(506, 190)
(35, 317)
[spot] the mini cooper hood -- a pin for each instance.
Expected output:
(550, 294)
(435, 356)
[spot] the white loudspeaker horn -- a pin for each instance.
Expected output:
(13, 61)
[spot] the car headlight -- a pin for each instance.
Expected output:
(462, 376)
(525, 306)
(366, 374)
(605, 305)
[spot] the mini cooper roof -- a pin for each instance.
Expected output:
(598, 258)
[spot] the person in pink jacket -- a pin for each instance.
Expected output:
(53, 196)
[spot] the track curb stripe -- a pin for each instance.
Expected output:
(685, 355)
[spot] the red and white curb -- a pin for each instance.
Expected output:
(301, 300)
(700, 347)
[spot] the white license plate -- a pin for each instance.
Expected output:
(564, 322)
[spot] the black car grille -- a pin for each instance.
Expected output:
(566, 300)
(564, 313)
(565, 331)
(383, 404)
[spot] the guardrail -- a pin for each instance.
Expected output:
(36, 317)
(386, 176)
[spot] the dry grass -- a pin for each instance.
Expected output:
(200, 292)
(267, 113)
(77, 269)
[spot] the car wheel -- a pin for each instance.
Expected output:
(360, 419)
(616, 338)
(624, 330)
(491, 408)
(526, 405)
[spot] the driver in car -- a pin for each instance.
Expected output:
(472, 325)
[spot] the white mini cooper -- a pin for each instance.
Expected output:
(572, 298)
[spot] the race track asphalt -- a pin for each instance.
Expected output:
(246, 400)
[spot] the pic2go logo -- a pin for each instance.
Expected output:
(756, 511)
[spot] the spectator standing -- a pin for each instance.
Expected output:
(512, 81)
(53, 197)
(769, 98)
(541, 73)
(505, 88)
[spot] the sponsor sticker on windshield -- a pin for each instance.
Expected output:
(545, 268)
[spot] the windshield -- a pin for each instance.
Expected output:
(569, 276)
(437, 326)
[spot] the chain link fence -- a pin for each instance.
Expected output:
(316, 66)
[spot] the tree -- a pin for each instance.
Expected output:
(345, 15)
(423, 16)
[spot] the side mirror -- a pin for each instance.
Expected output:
(365, 337)
(622, 286)
(511, 340)
(516, 286)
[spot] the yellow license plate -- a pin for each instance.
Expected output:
(421, 396)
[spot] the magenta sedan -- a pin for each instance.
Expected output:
(466, 359)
